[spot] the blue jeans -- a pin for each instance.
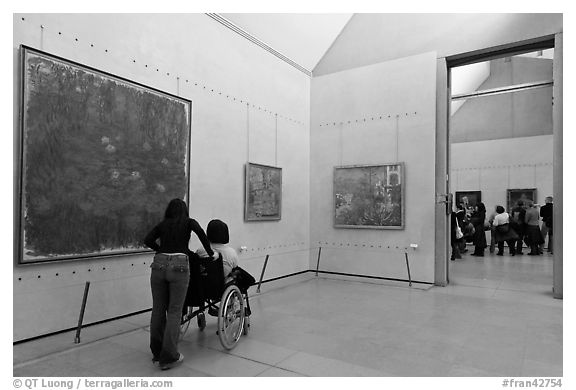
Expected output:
(169, 283)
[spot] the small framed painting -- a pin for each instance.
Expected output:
(263, 198)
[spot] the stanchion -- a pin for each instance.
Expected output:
(408, 267)
(262, 274)
(318, 261)
(77, 338)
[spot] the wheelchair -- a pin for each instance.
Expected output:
(206, 290)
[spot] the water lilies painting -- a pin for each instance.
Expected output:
(101, 156)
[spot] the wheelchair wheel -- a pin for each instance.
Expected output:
(231, 317)
(185, 322)
(201, 321)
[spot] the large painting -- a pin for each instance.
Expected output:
(369, 196)
(101, 157)
(524, 194)
(263, 201)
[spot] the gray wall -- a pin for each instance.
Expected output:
(520, 114)
(382, 113)
(372, 38)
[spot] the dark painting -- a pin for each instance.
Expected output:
(101, 158)
(468, 198)
(263, 193)
(524, 194)
(369, 196)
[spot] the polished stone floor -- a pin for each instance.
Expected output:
(496, 318)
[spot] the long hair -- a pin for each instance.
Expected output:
(176, 209)
(481, 207)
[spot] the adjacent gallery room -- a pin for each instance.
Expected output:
(501, 149)
(336, 148)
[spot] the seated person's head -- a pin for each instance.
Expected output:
(217, 232)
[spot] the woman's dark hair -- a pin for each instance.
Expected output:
(217, 232)
(176, 209)
(499, 209)
(481, 207)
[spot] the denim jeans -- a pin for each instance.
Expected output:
(169, 283)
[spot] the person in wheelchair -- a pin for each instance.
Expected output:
(219, 237)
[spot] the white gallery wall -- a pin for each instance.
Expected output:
(247, 105)
(493, 166)
(377, 114)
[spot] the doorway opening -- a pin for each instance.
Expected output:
(500, 153)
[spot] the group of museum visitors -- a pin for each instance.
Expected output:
(525, 224)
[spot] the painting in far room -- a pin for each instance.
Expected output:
(101, 157)
(524, 194)
(468, 198)
(369, 196)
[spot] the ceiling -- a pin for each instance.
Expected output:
(304, 38)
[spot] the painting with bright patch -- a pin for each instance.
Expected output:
(369, 196)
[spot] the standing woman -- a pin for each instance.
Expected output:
(533, 235)
(169, 279)
(477, 220)
(503, 232)
(454, 239)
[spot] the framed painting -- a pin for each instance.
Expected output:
(524, 194)
(468, 198)
(263, 198)
(369, 196)
(100, 158)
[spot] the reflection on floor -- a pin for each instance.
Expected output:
(496, 318)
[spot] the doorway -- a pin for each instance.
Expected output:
(504, 138)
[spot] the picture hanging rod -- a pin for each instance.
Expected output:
(501, 90)
(253, 39)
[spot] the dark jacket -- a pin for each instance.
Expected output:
(477, 219)
(174, 235)
(546, 213)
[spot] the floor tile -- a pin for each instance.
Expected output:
(278, 372)
(217, 363)
(311, 365)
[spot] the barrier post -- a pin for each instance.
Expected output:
(318, 261)
(82, 309)
(262, 274)
(408, 267)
